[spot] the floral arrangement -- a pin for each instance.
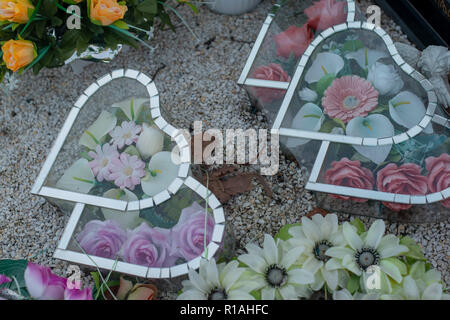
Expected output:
(150, 246)
(33, 33)
(344, 261)
(293, 42)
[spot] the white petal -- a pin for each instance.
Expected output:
(166, 172)
(270, 250)
(268, 294)
(254, 249)
(303, 291)
(255, 262)
(308, 118)
(325, 63)
(239, 295)
(372, 126)
(310, 229)
(339, 252)
(288, 293)
(307, 94)
(391, 270)
(366, 57)
(333, 264)
(350, 264)
(300, 276)
(331, 278)
(375, 234)
(291, 256)
(150, 141)
(70, 180)
(352, 237)
(410, 110)
(433, 292)
(392, 251)
(198, 282)
(104, 124)
(312, 264)
(343, 294)
(192, 295)
(127, 219)
(212, 274)
(410, 288)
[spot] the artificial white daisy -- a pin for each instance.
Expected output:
(368, 251)
(344, 294)
(217, 282)
(317, 235)
(274, 271)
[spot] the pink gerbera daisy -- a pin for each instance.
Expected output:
(349, 97)
(127, 171)
(102, 159)
(125, 134)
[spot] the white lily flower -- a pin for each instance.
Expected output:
(274, 271)
(309, 118)
(367, 251)
(150, 141)
(344, 294)
(132, 107)
(324, 64)
(408, 110)
(366, 57)
(128, 219)
(162, 173)
(417, 290)
(385, 79)
(78, 178)
(372, 126)
(306, 94)
(100, 128)
(217, 282)
(317, 235)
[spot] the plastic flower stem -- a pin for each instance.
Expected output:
(17, 285)
(31, 18)
(96, 266)
(42, 53)
(105, 283)
(181, 18)
(206, 215)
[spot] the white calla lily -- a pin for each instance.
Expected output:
(308, 118)
(408, 110)
(306, 94)
(366, 57)
(128, 219)
(324, 64)
(131, 107)
(150, 141)
(78, 178)
(372, 126)
(101, 127)
(162, 173)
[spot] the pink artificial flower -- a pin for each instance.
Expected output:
(326, 13)
(273, 72)
(349, 173)
(294, 40)
(4, 279)
(78, 294)
(125, 134)
(148, 247)
(406, 179)
(127, 171)
(102, 238)
(349, 97)
(439, 175)
(189, 233)
(42, 284)
(102, 159)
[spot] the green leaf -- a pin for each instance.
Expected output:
(324, 83)
(16, 269)
(132, 151)
(14, 26)
(340, 123)
(283, 234)
(193, 7)
(353, 45)
(353, 284)
(121, 24)
(148, 6)
(415, 251)
(359, 225)
(399, 264)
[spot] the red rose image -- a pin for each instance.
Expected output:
(349, 173)
(405, 179)
(272, 72)
(294, 40)
(326, 13)
(439, 175)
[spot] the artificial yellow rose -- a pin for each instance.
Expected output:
(106, 12)
(18, 54)
(15, 10)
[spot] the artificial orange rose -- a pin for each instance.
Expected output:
(18, 54)
(106, 12)
(17, 11)
(139, 291)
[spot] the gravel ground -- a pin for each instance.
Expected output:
(195, 81)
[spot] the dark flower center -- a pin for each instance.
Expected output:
(276, 276)
(217, 294)
(320, 249)
(367, 257)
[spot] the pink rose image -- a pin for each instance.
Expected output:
(102, 238)
(439, 175)
(42, 284)
(349, 173)
(406, 179)
(127, 171)
(189, 233)
(148, 247)
(102, 161)
(273, 72)
(326, 13)
(294, 40)
(349, 97)
(4, 279)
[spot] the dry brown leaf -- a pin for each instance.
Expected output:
(317, 210)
